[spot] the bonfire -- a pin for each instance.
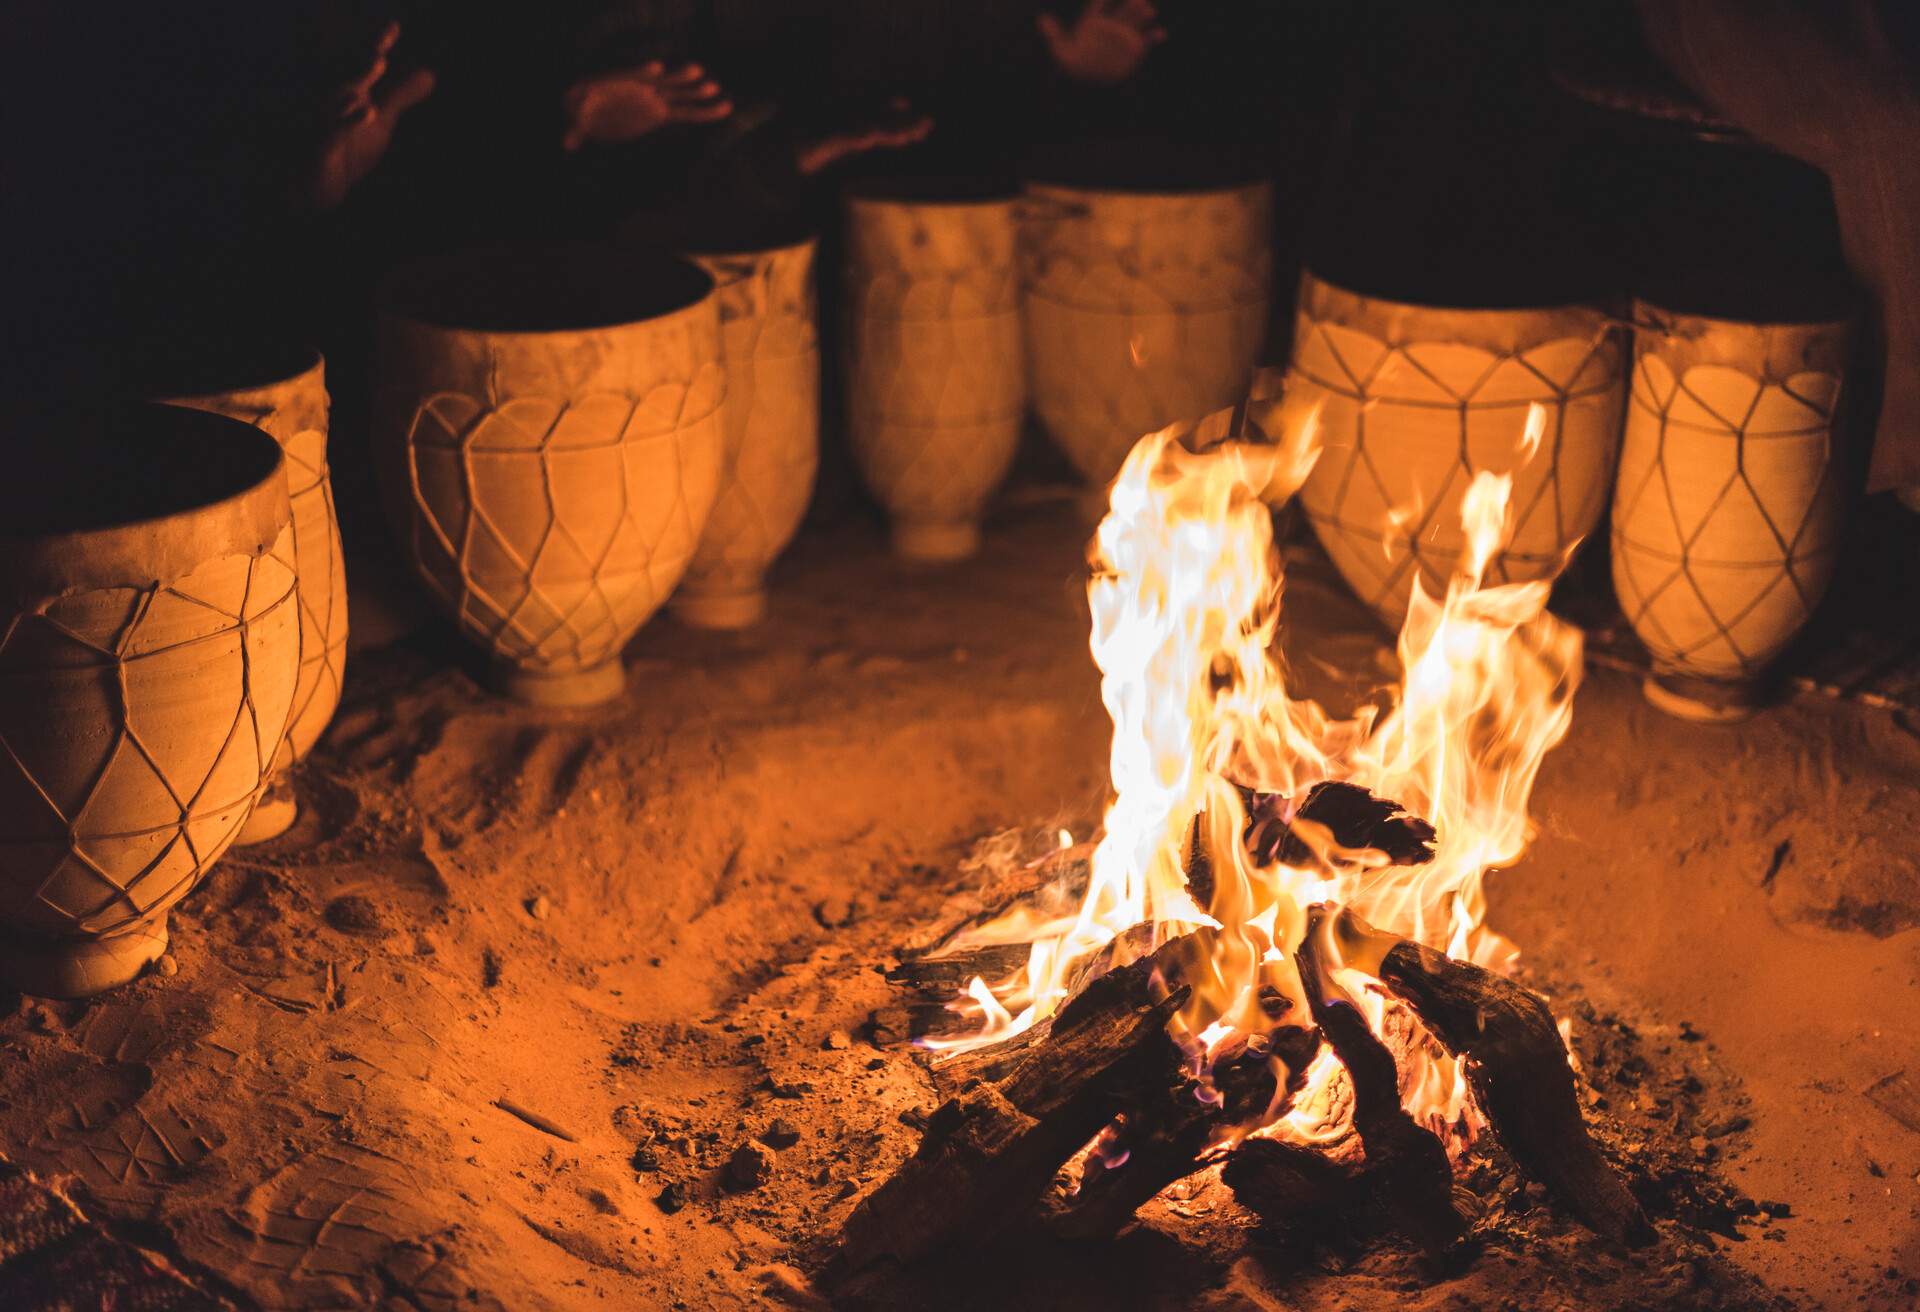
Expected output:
(1274, 961)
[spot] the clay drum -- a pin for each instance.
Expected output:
(1414, 400)
(548, 428)
(148, 665)
(771, 346)
(1142, 308)
(286, 399)
(1726, 521)
(936, 383)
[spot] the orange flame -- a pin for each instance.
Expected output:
(1185, 599)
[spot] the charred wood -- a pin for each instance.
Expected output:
(1198, 865)
(1411, 1165)
(1169, 1123)
(1517, 1065)
(1144, 970)
(980, 1163)
(1052, 886)
(956, 1071)
(1298, 1193)
(933, 979)
(1351, 816)
(948, 976)
(988, 1154)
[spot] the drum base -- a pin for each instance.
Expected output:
(589, 687)
(1701, 701)
(720, 610)
(932, 542)
(80, 968)
(272, 816)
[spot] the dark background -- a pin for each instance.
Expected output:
(1422, 151)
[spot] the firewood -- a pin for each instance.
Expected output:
(1415, 1177)
(947, 977)
(1168, 1127)
(996, 1061)
(1297, 1192)
(953, 1072)
(933, 979)
(1353, 817)
(1052, 886)
(1198, 865)
(937, 983)
(981, 1162)
(936, 978)
(990, 1152)
(1113, 1015)
(1517, 1065)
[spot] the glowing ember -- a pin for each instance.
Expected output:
(1185, 599)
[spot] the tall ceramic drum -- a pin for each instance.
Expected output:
(149, 652)
(291, 408)
(771, 345)
(1414, 400)
(549, 433)
(1726, 520)
(1142, 308)
(936, 383)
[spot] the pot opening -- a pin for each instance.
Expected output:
(110, 466)
(188, 359)
(513, 289)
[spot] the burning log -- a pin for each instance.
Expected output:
(940, 979)
(1517, 1065)
(990, 1152)
(1330, 819)
(1050, 886)
(1333, 819)
(1416, 1179)
(1296, 1191)
(1023, 1107)
(955, 1071)
(934, 977)
(1168, 1126)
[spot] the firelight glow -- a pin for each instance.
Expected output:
(1185, 596)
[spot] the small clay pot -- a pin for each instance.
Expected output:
(284, 395)
(150, 656)
(936, 380)
(1726, 521)
(1143, 307)
(1414, 400)
(549, 434)
(772, 349)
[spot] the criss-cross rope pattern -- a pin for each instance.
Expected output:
(1141, 310)
(559, 580)
(1148, 253)
(294, 414)
(909, 260)
(1102, 378)
(768, 335)
(935, 427)
(1406, 427)
(322, 570)
(1724, 522)
(936, 377)
(107, 850)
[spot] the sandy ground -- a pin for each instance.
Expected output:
(486, 1028)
